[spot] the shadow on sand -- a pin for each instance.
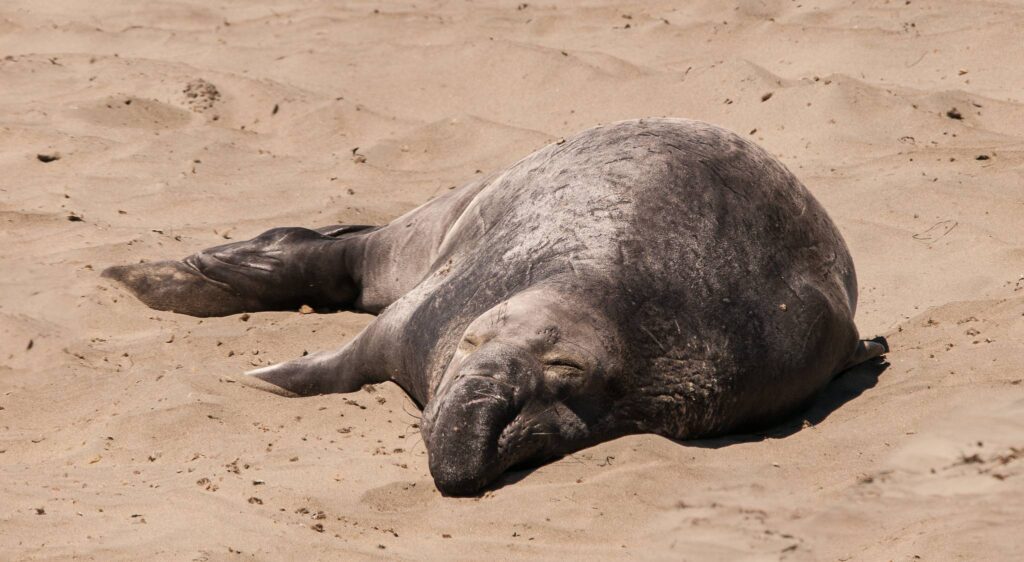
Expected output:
(844, 387)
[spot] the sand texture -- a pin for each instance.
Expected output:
(171, 126)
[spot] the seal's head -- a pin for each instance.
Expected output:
(532, 379)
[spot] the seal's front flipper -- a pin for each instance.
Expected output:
(867, 350)
(175, 286)
(371, 357)
(317, 373)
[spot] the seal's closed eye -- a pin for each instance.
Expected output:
(562, 367)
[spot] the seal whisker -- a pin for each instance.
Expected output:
(533, 417)
(417, 443)
(656, 340)
(413, 415)
(479, 392)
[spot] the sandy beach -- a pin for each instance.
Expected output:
(150, 130)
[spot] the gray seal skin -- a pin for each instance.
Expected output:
(655, 275)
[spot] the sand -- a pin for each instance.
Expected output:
(125, 435)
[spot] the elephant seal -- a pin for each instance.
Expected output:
(654, 275)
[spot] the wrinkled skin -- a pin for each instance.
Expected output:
(657, 275)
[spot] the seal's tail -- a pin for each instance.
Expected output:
(867, 350)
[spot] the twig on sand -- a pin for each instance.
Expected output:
(919, 59)
(944, 226)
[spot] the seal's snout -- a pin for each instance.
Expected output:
(462, 434)
(466, 424)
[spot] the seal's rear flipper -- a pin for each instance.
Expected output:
(281, 269)
(339, 230)
(175, 286)
(867, 350)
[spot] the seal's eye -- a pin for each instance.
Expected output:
(563, 368)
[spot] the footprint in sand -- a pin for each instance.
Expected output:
(132, 112)
(399, 496)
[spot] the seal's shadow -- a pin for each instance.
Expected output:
(844, 387)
